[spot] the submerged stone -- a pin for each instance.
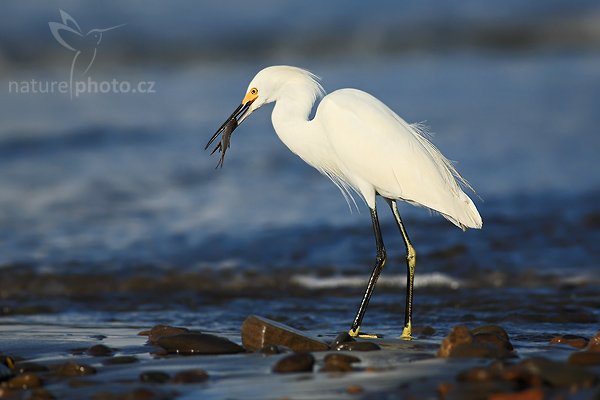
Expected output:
(578, 342)
(485, 342)
(258, 332)
(154, 377)
(198, 343)
(99, 350)
(74, 369)
(358, 346)
(297, 362)
(158, 331)
(190, 376)
(25, 381)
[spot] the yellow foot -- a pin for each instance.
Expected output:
(406, 333)
(357, 334)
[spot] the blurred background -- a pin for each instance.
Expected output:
(119, 181)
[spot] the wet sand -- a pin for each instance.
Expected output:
(58, 324)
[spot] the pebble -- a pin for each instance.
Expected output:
(354, 389)
(190, 376)
(342, 338)
(485, 342)
(154, 377)
(198, 343)
(120, 360)
(336, 362)
(99, 350)
(258, 332)
(158, 331)
(594, 344)
(358, 346)
(578, 342)
(24, 381)
(74, 369)
(297, 362)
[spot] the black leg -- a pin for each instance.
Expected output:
(379, 263)
(411, 263)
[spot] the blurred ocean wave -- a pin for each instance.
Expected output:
(183, 32)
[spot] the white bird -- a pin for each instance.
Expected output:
(362, 146)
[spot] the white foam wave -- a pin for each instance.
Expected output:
(434, 279)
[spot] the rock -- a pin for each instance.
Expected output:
(358, 346)
(594, 344)
(274, 349)
(190, 376)
(484, 342)
(337, 362)
(99, 350)
(578, 342)
(24, 381)
(74, 369)
(158, 331)
(558, 374)
(528, 394)
(337, 358)
(585, 358)
(198, 343)
(354, 389)
(459, 335)
(154, 377)
(258, 332)
(342, 338)
(120, 360)
(297, 362)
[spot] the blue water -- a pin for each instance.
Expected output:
(115, 181)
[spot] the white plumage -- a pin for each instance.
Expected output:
(362, 146)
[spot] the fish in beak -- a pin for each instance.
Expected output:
(234, 120)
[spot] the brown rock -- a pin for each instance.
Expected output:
(99, 350)
(190, 376)
(274, 349)
(358, 346)
(354, 389)
(24, 381)
(297, 362)
(158, 331)
(484, 342)
(458, 335)
(258, 332)
(594, 344)
(74, 369)
(340, 358)
(578, 342)
(198, 343)
(585, 358)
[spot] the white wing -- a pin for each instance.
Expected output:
(377, 151)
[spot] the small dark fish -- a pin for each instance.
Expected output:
(224, 144)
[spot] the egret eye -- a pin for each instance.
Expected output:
(254, 91)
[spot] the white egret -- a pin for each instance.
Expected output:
(362, 146)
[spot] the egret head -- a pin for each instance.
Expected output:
(267, 86)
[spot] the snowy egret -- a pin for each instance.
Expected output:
(363, 147)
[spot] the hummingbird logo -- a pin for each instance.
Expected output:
(84, 45)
